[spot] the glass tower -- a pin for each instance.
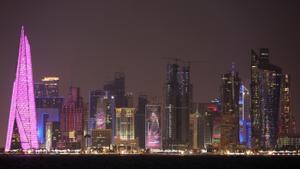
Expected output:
(265, 97)
(177, 106)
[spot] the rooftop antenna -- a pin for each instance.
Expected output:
(233, 67)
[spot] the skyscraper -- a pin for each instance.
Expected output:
(52, 134)
(51, 85)
(140, 120)
(96, 108)
(101, 112)
(286, 120)
(195, 130)
(71, 120)
(244, 116)
(117, 89)
(152, 126)
(177, 106)
(230, 93)
(125, 134)
(48, 105)
(265, 97)
(22, 108)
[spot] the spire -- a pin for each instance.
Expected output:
(22, 108)
(22, 30)
(233, 70)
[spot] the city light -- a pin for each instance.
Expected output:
(22, 104)
(237, 123)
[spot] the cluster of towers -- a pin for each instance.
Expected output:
(259, 118)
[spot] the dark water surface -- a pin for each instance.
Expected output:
(147, 162)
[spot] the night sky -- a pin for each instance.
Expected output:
(85, 42)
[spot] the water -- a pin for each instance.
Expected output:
(147, 162)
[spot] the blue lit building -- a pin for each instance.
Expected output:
(265, 100)
(48, 105)
(244, 116)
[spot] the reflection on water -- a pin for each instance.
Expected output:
(147, 162)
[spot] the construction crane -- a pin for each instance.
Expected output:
(175, 59)
(179, 60)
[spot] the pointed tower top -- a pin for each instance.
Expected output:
(232, 67)
(22, 30)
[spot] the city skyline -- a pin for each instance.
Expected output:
(51, 63)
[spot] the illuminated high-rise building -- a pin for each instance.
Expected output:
(177, 107)
(216, 136)
(286, 120)
(125, 123)
(48, 105)
(202, 124)
(152, 126)
(265, 97)
(71, 119)
(125, 134)
(22, 109)
(230, 92)
(101, 112)
(51, 85)
(206, 124)
(52, 135)
(195, 130)
(244, 117)
(217, 121)
(96, 108)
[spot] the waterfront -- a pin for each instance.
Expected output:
(147, 162)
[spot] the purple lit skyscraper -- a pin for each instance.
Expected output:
(152, 127)
(22, 102)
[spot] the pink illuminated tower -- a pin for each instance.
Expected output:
(22, 109)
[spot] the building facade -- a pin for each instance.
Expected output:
(286, 120)
(178, 105)
(140, 120)
(116, 88)
(22, 109)
(152, 126)
(265, 97)
(53, 135)
(230, 93)
(101, 138)
(48, 105)
(125, 134)
(71, 119)
(244, 117)
(101, 113)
